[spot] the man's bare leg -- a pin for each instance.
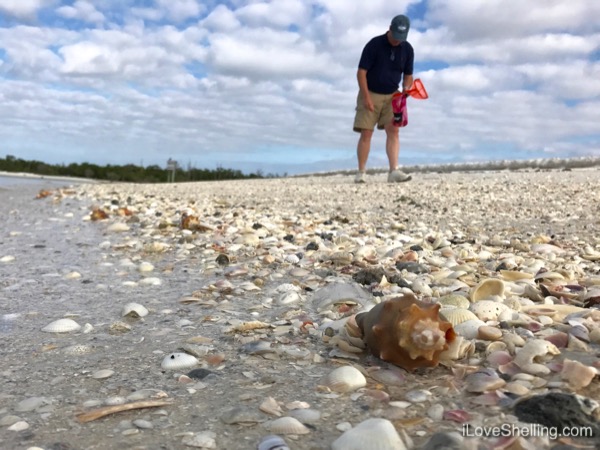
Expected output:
(363, 148)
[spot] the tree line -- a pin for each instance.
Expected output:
(126, 173)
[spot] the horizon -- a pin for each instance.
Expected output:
(271, 85)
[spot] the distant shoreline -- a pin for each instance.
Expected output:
(35, 176)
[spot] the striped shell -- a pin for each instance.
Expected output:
(177, 361)
(288, 425)
(372, 434)
(457, 315)
(134, 310)
(454, 300)
(272, 442)
(344, 379)
(62, 326)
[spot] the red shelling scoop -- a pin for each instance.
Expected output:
(418, 90)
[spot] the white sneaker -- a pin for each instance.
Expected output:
(397, 176)
(360, 177)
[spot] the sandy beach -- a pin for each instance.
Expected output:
(231, 276)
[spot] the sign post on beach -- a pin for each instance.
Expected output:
(171, 167)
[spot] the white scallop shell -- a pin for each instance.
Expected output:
(372, 434)
(177, 361)
(457, 315)
(61, 326)
(134, 310)
(344, 379)
(288, 425)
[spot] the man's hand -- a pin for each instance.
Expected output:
(369, 102)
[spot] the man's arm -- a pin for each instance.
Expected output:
(361, 76)
(407, 82)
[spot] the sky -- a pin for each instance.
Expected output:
(270, 85)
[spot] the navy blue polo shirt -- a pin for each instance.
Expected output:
(385, 64)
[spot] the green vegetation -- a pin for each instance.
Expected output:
(129, 172)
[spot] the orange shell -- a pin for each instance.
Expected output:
(406, 332)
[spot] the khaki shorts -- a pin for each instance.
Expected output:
(383, 114)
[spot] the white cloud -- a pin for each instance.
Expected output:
(221, 19)
(504, 19)
(81, 10)
(23, 9)
(264, 52)
(179, 10)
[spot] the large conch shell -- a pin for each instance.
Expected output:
(406, 332)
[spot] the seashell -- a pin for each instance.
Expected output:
(288, 298)
(78, 349)
(310, 416)
(270, 406)
(459, 348)
(372, 434)
(561, 311)
(488, 288)
(62, 326)
(335, 293)
(515, 275)
(533, 353)
(288, 425)
(455, 300)
(134, 310)
(344, 379)
(484, 380)
(119, 327)
(488, 309)
(273, 442)
(406, 332)
(390, 377)
(488, 333)
(469, 329)
(456, 315)
(577, 374)
(177, 361)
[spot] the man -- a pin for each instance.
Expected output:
(385, 61)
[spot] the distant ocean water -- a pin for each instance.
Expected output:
(12, 182)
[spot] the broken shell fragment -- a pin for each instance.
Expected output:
(406, 332)
(533, 354)
(487, 289)
(62, 326)
(577, 374)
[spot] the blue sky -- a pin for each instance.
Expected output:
(271, 85)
